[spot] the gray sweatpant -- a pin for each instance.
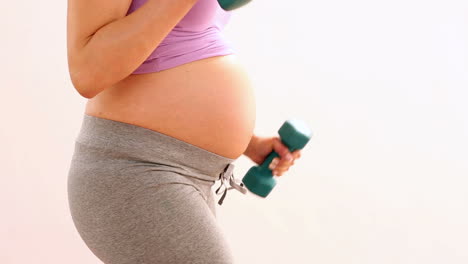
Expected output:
(141, 197)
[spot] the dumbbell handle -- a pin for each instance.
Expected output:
(266, 163)
(294, 134)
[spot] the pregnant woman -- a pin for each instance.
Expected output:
(169, 109)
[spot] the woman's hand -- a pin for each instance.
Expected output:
(259, 148)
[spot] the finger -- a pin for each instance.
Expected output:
(296, 154)
(278, 172)
(285, 163)
(283, 166)
(281, 149)
(274, 163)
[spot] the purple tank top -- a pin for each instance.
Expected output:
(198, 35)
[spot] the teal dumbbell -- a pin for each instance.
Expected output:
(232, 4)
(259, 179)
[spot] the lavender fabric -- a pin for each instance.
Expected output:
(198, 35)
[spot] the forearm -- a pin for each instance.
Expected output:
(118, 48)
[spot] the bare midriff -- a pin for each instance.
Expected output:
(209, 103)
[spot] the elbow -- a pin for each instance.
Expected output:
(86, 92)
(84, 85)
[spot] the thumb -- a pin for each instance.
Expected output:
(281, 149)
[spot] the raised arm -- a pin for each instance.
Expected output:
(104, 45)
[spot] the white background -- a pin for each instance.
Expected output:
(383, 85)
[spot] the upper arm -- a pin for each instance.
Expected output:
(86, 17)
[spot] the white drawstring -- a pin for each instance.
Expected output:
(227, 176)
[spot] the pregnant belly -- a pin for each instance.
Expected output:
(208, 103)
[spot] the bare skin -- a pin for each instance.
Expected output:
(209, 103)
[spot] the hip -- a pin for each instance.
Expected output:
(132, 190)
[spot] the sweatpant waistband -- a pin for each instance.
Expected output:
(139, 143)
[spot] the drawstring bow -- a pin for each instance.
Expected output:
(227, 176)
